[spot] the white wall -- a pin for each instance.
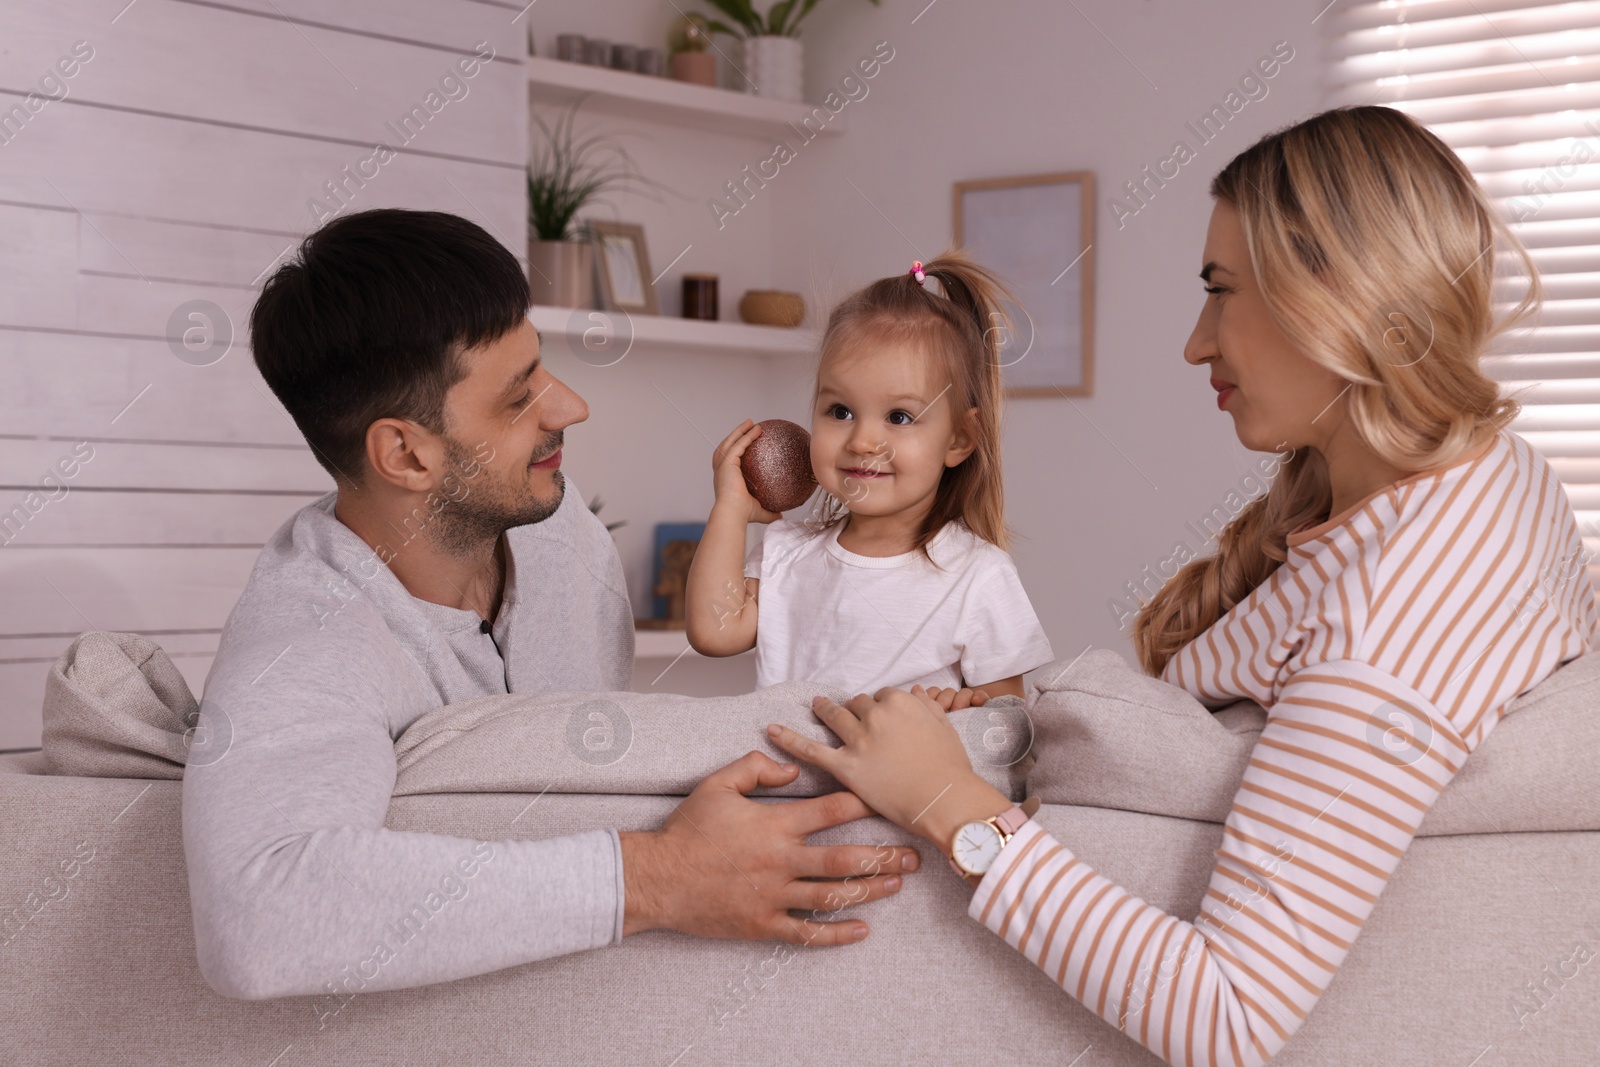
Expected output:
(178, 166)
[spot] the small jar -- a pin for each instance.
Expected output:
(624, 56)
(651, 61)
(570, 47)
(597, 52)
(700, 297)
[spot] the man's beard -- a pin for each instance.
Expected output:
(479, 509)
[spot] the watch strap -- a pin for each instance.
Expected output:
(1011, 820)
(1008, 822)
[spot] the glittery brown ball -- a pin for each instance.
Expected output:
(777, 466)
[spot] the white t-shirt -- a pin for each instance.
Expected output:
(830, 615)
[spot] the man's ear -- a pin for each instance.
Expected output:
(404, 454)
(965, 440)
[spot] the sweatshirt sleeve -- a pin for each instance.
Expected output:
(296, 885)
(1350, 761)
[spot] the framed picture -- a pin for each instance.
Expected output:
(1037, 233)
(624, 267)
(675, 544)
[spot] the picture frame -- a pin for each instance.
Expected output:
(674, 545)
(1037, 232)
(624, 266)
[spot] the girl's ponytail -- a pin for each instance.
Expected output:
(982, 295)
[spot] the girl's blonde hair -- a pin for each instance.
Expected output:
(963, 330)
(1374, 250)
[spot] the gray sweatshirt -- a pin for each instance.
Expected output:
(296, 886)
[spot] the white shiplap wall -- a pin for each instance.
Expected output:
(177, 164)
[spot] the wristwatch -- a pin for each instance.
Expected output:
(977, 844)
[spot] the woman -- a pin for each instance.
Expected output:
(1409, 573)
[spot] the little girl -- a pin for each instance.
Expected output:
(900, 576)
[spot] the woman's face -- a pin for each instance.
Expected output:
(1277, 396)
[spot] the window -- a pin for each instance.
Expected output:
(1513, 86)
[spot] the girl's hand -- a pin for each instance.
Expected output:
(902, 757)
(728, 476)
(958, 699)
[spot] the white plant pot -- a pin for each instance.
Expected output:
(772, 67)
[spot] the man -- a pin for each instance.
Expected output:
(452, 561)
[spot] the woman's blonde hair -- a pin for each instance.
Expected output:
(1374, 250)
(963, 330)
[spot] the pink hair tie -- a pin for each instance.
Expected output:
(916, 271)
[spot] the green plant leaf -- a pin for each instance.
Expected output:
(777, 14)
(787, 21)
(741, 11)
(566, 175)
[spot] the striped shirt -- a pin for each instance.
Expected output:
(1384, 649)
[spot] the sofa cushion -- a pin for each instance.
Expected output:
(651, 743)
(1108, 735)
(115, 706)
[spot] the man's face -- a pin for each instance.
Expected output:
(503, 440)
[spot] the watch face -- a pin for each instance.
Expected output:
(977, 846)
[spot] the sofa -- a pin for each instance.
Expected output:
(1481, 950)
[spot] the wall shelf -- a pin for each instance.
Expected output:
(663, 100)
(661, 332)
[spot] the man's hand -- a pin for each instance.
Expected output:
(725, 866)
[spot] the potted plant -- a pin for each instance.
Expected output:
(687, 44)
(564, 176)
(772, 52)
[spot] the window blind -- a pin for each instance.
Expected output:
(1513, 86)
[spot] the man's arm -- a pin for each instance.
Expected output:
(297, 888)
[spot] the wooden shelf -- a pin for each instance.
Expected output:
(663, 100)
(659, 332)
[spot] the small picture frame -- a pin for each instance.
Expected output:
(675, 544)
(1037, 232)
(624, 266)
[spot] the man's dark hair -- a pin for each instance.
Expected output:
(369, 320)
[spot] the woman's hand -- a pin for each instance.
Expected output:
(728, 476)
(902, 757)
(958, 699)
